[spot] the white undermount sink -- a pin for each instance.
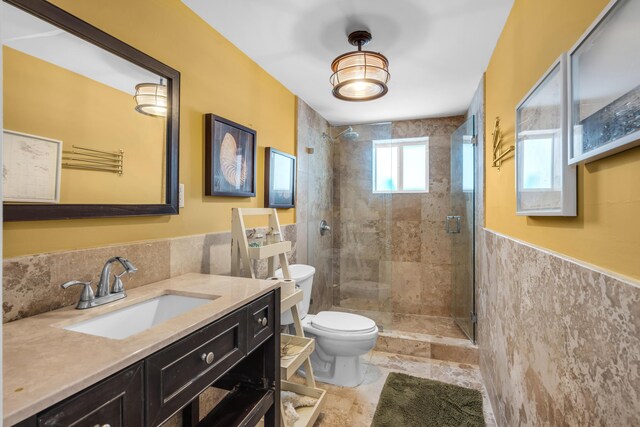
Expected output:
(127, 321)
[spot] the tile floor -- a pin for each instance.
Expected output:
(354, 407)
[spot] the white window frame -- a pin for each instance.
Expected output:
(400, 143)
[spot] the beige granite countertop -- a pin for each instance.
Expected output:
(44, 364)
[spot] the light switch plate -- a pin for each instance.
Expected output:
(181, 196)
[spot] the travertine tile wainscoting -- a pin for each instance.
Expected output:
(31, 284)
(559, 340)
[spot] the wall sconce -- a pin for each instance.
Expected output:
(151, 99)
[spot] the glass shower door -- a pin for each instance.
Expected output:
(319, 208)
(460, 225)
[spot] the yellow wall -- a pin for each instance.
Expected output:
(606, 232)
(216, 78)
(46, 100)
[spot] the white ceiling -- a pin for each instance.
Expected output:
(437, 49)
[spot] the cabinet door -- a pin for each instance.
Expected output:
(116, 402)
(179, 373)
(261, 320)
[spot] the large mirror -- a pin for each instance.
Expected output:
(90, 123)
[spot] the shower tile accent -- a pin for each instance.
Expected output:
(31, 284)
(393, 253)
(315, 202)
(559, 340)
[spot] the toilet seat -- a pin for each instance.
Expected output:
(345, 323)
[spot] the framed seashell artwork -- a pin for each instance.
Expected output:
(230, 158)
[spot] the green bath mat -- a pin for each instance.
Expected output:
(409, 401)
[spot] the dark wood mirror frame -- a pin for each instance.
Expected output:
(60, 18)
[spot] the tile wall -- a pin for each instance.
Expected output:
(31, 284)
(559, 340)
(392, 251)
(315, 202)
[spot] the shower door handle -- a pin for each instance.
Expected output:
(458, 226)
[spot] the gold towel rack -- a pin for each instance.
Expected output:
(499, 155)
(94, 160)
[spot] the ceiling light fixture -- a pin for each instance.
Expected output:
(360, 75)
(151, 99)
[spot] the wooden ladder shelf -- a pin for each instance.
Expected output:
(298, 345)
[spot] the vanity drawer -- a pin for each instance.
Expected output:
(180, 372)
(260, 320)
(116, 401)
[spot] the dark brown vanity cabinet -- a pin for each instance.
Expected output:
(239, 352)
(117, 401)
(182, 370)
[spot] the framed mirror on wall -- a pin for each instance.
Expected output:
(279, 179)
(604, 93)
(92, 124)
(545, 182)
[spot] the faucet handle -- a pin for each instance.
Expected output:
(117, 283)
(87, 292)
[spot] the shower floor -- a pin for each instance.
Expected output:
(410, 323)
(419, 335)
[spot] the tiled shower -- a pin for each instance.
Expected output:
(388, 255)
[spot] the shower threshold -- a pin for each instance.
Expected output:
(420, 335)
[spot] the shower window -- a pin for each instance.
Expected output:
(401, 165)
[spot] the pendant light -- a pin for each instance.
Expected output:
(151, 99)
(360, 75)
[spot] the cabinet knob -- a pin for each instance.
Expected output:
(103, 425)
(264, 321)
(207, 357)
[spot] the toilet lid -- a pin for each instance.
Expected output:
(342, 322)
(298, 272)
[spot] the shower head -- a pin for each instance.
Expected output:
(348, 134)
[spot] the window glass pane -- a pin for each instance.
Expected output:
(401, 160)
(414, 168)
(467, 166)
(281, 172)
(537, 168)
(386, 168)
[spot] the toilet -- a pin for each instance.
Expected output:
(341, 338)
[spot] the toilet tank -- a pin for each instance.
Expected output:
(303, 275)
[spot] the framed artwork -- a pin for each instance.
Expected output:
(279, 179)
(230, 158)
(31, 168)
(545, 182)
(604, 93)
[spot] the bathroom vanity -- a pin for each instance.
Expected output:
(229, 341)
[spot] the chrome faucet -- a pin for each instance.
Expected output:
(103, 283)
(103, 294)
